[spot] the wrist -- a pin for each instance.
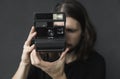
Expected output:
(24, 64)
(61, 76)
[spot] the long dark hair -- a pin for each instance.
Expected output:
(76, 10)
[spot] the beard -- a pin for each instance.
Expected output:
(71, 47)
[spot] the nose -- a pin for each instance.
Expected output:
(67, 35)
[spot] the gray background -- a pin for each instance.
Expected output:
(16, 19)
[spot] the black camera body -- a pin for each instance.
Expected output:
(50, 37)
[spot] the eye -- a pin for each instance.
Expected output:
(70, 30)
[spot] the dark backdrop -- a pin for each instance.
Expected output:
(16, 19)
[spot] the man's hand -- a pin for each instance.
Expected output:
(28, 48)
(54, 69)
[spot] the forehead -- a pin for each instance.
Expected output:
(70, 22)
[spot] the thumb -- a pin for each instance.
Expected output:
(64, 53)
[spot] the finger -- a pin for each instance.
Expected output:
(29, 39)
(29, 49)
(35, 58)
(32, 30)
(31, 58)
(31, 33)
(64, 53)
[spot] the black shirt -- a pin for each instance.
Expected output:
(92, 68)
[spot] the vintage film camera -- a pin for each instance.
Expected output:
(50, 37)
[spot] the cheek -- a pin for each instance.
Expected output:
(73, 38)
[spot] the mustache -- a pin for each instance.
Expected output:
(68, 45)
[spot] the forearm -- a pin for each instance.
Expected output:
(22, 71)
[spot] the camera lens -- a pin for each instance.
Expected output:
(50, 33)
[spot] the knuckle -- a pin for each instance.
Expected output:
(35, 63)
(27, 49)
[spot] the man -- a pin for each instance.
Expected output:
(78, 61)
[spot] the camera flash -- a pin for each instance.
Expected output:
(57, 16)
